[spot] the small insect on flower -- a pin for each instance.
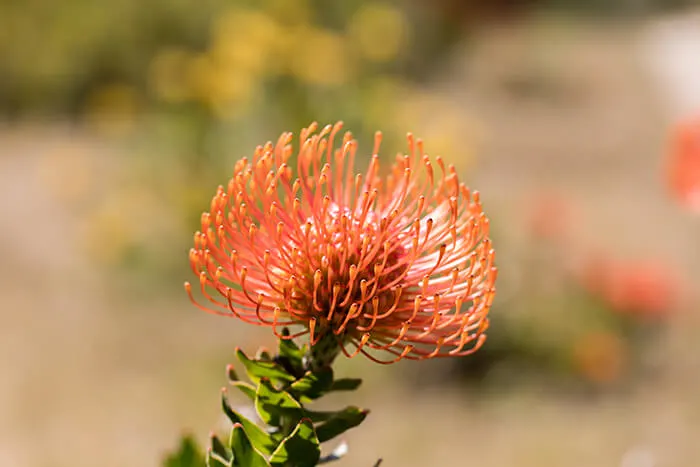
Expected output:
(399, 266)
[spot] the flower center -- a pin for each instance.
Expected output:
(353, 267)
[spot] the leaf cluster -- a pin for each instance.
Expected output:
(290, 434)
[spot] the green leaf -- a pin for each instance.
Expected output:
(257, 369)
(313, 384)
(187, 455)
(340, 422)
(246, 388)
(300, 449)
(244, 454)
(346, 384)
(231, 373)
(319, 416)
(290, 351)
(273, 404)
(218, 448)
(263, 442)
(263, 354)
(214, 460)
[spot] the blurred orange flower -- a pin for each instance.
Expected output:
(645, 289)
(684, 163)
(401, 265)
(549, 215)
(600, 357)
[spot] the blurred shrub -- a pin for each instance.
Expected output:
(54, 54)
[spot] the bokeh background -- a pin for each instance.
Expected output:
(118, 120)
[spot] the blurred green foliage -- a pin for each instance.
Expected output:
(55, 55)
(59, 57)
(52, 54)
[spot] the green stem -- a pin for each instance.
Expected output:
(322, 354)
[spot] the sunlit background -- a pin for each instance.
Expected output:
(578, 121)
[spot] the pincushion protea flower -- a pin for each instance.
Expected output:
(401, 265)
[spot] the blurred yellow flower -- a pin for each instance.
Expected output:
(167, 75)
(320, 57)
(241, 52)
(378, 30)
(235, 92)
(200, 76)
(245, 39)
(255, 26)
(225, 90)
(291, 12)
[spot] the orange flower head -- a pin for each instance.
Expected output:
(394, 267)
(646, 290)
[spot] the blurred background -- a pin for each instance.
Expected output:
(577, 120)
